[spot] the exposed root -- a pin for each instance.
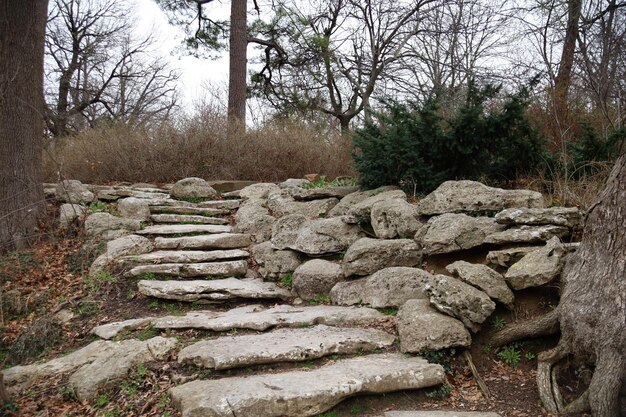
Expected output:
(549, 392)
(545, 325)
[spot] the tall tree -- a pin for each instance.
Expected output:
(22, 31)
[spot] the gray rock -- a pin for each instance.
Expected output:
(421, 328)
(258, 191)
(187, 256)
(452, 232)
(366, 255)
(275, 263)
(213, 290)
(324, 236)
(538, 267)
(254, 219)
(134, 208)
(304, 393)
(430, 413)
(395, 218)
(192, 187)
(457, 299)
(507, 257)
(325, 192)
(316, 276)
(110, 330)
(285, 230)
(283, 345)
(186, 218)
(472, 196)
(192, 210)
(223, 205)
(98, 224)
(193, 270)
(389, 287)
(361, 211)
(485, 279)
(73, 192)
(282, 204)
(527, 234)
(126, 245)
(351, 199)
(294, 183)
(70, 212)
(217, 241)
(571, 217)
(183, 229)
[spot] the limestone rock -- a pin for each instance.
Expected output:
(325, 192)
(457, 299)
(295, 183)
(134, 208)
(186, 218)
(571, 217)
(422, 328)
(283, 345)
(507, 257)
(316, 276)
(361, 211)
(282, 204)
(527, 234)
(472, 196)
(275, 263)
(254, 219)
(183, 229)
(285, 230)
(304, 393)
(366, 255)
(538, 267)
(126, 245)
(395, 218)
(258, 191)
(98, 224)
(192, 187)
(389, 287)
(73, 192)
(217, 241)
(452, 232)
(110, 330)
(195, 209)
(324, 236)
(187, 256)
(351, 199)
(193, 270)
(70, 212)
(485, 279)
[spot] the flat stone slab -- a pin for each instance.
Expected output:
(485, 279)
(527, 234)
(560, 216)
(203, 211)
(326, 192)
(110, 330)
(216, 241)
(183, 229)
(283, 345)
(507, 257)
(213, 290)
(186, 218)
(191, 270)
(304, 393)
(214, 204)
(187, 256)
(429, 413)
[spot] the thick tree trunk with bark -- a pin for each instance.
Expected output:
(237, 86)
(564, 76)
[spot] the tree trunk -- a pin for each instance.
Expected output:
(22, 30)
(237, 86)
(563, 78)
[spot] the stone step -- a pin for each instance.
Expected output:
(187, 256)
(252, 317)
(116, 194)
(202, 211)
(192, 270)
(216, 241)
(216, 204)
(184, 229)
(304, 393)
(283, 345)
(430, 413)
(212, 290)
(186, 218)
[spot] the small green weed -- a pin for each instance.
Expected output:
(95, 282)
(97, 207)
(440, 392)
(154, 305)
(114, 412)
(320, 299)
(174, 310)
(88, 308)
(129, 388)
(307, 364)
(147, 333)
(322, 182)
(142, 371)
(443, 357)
(389, 311)
(530, 356)
(498, 323)
(356, 409)
(510, 355)
(101, 401)
(287, 280)
(328, 414)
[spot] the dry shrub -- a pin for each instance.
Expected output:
(197, 146)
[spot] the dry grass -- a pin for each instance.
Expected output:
(198, 147)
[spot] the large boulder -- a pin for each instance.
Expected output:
(274, 264)
(98, 224)
(484, 278)
(73, 192)
(258, 191)
(422, 328)
(285, 230)
(70, 212)
(472, 196)
(368, 255)
(123, 246)
(192, 187)
(134, 208)
(361, 211)
(351, 199)
(538, 267)
(458, 299)
(395, 218)
(453, 232)
(389, 287)
(571, 217)
(316, 277)
(527, 234)
(325, 236)
(254, 219)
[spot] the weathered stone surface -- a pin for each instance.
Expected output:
(422, 328)
(186, 218)
(98, 224)
(527, 234)
(485, 279)
(192, 187)
(431, 413)
(395, 218)
(302, 393)
(217, 241)
(254, 219)
(133, 208)
(70, 212)
(285, 230)
(212, 204)
(322, 193)
(107, 370)
(389, 287)
(366, 255)
(361, 211)
(188, 256)
(213, 290)
(323, 236)
(316, 276)
(458, 299)
(275, 263)
(110, 330)
(351, 199)
(294, 183)
(112, 194)
(452, 232)
(126, 245)
(182, 229)
(571, 217)
(258, 191)
(283, 345)
(73, 192)
(472, 196)
(193, 210)
(224, 186)
(538, 267)
(190, 270)
(507, 257)
(282, 204)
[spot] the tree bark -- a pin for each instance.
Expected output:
(563, 78)
(237, 86)
(22, 30)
